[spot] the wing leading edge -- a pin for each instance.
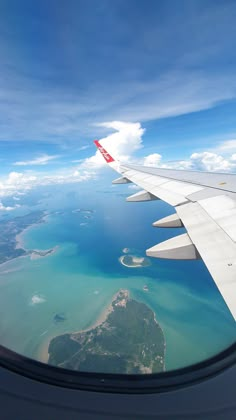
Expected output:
(205, 205)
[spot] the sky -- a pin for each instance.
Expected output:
(155, 81)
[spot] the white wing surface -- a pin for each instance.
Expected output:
(205, 205)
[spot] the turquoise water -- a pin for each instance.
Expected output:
(80, 279)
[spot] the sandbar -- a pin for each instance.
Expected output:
(132, 261)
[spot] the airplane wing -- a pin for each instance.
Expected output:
(205, 205)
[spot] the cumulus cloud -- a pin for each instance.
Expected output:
(18, 183)
(7, 208)
(207, 161)
(122, 144)
(41, 160)
(204, 161)
(36, 299)
(152, 160)
(126, 140)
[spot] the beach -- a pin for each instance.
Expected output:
(43, 350)
(20, 236)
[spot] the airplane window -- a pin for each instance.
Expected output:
(130, 272)
(79, 292)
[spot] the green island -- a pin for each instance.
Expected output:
(9, 246)
(128, 340)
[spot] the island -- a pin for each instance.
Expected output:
(125, 250)
(128, 340)
(37, 253)
(133, 261)
(10, 244)
(84, 211)
(59, 318)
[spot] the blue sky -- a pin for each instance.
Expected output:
(68, 66)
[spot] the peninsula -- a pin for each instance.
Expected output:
(128, 340)
(10, 245)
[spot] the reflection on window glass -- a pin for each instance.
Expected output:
(77, 288)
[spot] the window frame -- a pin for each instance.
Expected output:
(118, 383)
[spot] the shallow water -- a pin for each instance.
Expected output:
(80, 279)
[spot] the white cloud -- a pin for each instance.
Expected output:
(152, 160)
(227, 146)
(36, 299)
(121, 144)
(204, 161)
(127, 139)
(208, 161)
(7, 208)
(19, 183)
(194, 75)
(16, 183)
(61, 117)
(83, 147)
(41, 160)
(233, 157)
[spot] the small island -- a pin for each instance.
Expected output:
(37, 253)
(60, 317)
(84, 211)
(125, 250)
(128, 340)
(133, 261)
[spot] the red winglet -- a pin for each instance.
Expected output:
(108, 158)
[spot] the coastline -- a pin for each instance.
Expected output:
(164, 358)
(10, 261)
(36, 253)
(20, 236)
(102, 317)
(43, 355)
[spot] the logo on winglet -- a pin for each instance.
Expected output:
(108, 158)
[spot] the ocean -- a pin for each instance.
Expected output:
(79, 280)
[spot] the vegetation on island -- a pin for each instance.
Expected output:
(129, 341)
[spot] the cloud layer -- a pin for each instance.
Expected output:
(123, 143)
(127, 139)
(19, 182)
